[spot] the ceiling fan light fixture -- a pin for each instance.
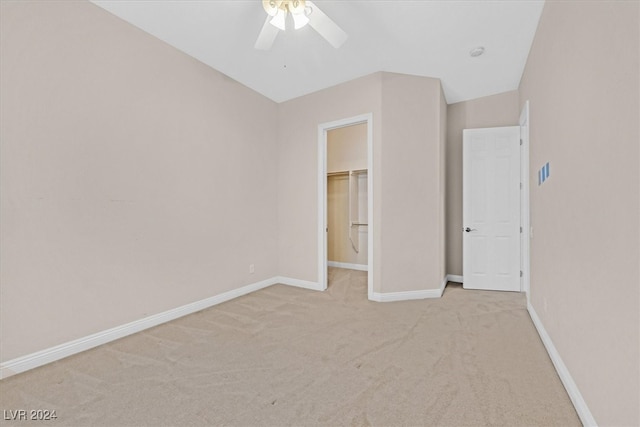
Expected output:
(271, 6)
(303, 13)
(296, 7)
(279, 20)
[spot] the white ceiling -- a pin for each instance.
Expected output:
(425, 38)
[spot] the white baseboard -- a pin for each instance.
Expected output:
(406, 295)
(52, 354)
(572, 389)
(42, 357)
(39, 358)
(409, 295)
(443, 285)
(454, 278)
(359, 267)
(314, 286)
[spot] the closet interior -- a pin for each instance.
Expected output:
(347, 205)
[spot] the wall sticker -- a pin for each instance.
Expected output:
(543, 174)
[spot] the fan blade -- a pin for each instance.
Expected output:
(267, 35)
(328, 29)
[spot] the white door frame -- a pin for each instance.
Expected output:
(322, 195)
(525, 219)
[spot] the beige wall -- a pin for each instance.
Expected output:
(298, 121)
(347, 148)
(412, 228)
(406, 177)
(582, 82)
(490, 111)
(134, 178)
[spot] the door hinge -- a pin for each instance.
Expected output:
(520, 273)
(521, 186)
(520, 141)
(521, 229)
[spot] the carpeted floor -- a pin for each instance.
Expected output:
(288, 356)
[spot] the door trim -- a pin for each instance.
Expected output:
(525, 217)
(323, 128)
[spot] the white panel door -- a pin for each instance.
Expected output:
(491, 208)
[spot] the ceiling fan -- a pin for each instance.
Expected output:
(303, 13)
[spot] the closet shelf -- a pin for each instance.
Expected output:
(349, 172)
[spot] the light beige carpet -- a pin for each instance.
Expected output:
(288, 356)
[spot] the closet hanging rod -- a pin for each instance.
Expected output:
(354, 223)
(346, 173)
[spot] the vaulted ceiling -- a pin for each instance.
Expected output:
(425, 38)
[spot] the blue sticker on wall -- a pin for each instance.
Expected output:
(543, 174)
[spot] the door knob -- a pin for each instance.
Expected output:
(469, 229)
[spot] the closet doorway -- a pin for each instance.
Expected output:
(345, 189)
